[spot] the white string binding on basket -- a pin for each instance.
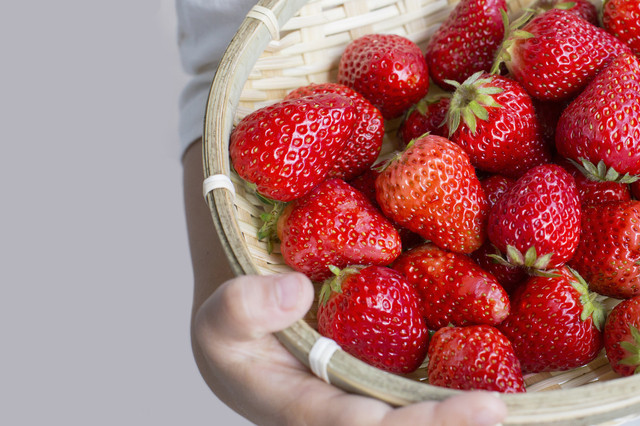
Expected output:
(320, 355)
(268, 18)
(217, 181)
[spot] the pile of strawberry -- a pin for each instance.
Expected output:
(511, 207)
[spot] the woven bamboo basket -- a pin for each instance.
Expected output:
(285, 44)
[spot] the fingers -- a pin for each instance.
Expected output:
(470, 408)
(250, 307)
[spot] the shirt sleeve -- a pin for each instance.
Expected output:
(205, 28)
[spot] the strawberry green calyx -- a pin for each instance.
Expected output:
(512, 32)
(633, 348)
(602, 173)
(534, 264)
(268, 231)
(470, 101)
(334, 284)
(589, 299)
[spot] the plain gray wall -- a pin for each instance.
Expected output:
(95, 272)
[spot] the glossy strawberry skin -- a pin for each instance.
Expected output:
(431, 188)
(609, 250)
(427, 116)
(545, 325)
(474, 357)
(603, 122)
(453, 289)
(617, 329)
(375, 317)
(582, 8)
(622, 19)
(540, 210)
(494, 186)
(592, 191)
(387, 69)
(335, 225)
(565, 53)
(509, 141)
(465, 42)
(286, 149)
(363, 147)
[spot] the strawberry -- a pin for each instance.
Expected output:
(508, 276)
(427, 116)
(453, 289)
(372, 313)
(363, 147)
(431, 188)
(635, 189)
(622, 337)
(366, 183)
(548, 113)
(556, 54)
(581, 8)
(537, 221)
(466, 41)
(494, 186)
(493, 119)
(592, 191)
(603, 122)
(474, 357)
(387, 69)
(622, 19)
(608, 255)
(555, 323)
(335, 225)
(287, 148)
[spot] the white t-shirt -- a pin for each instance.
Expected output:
(205, 28)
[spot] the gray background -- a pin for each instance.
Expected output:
(94, 263)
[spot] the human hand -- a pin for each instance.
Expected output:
(256, 376)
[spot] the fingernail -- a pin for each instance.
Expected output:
(288, 291)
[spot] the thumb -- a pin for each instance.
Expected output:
(251, 306)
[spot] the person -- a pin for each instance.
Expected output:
(234, 318)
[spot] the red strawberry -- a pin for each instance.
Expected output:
(581, 8)
(432, 189)
(493, 119)
(554, 323)
(548, 113)
(608, 255)
(387, 69)
(372, 313)
(453, 289)
(286, 149)
(366, 183)
(466, 42)
(635, 189)
(622, 19)
(335, 225)
(622, 337)
(537, 221)
(603, 122)
(494, 186)
(592, 191)
(508, 276)
(427, 116)
(362, 149)
(556, 54)
(474, 357)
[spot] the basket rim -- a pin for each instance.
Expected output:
(595, 402)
